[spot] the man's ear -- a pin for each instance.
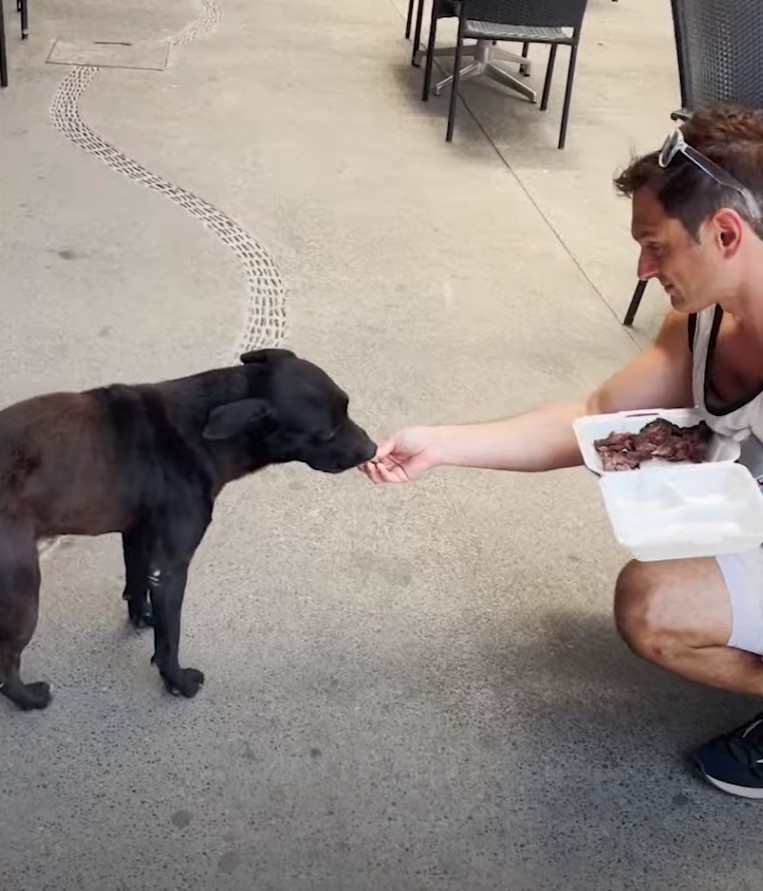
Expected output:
(266, 355)
(729, 230)
(227, 421)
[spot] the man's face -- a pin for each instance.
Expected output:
(695, 274)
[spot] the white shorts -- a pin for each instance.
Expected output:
(743, 574)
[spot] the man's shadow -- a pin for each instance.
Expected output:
(596, 766)
(576, 664)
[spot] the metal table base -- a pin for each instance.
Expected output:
(485, 56)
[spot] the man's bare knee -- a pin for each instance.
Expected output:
(640, 614)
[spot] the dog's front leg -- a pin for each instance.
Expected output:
(167, 581)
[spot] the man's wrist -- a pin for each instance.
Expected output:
(437, 442)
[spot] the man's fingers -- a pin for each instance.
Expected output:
(380, 473)
(393, 474)
(371, 471)
(385, 449)
(388, 467)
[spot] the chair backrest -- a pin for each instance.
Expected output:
(720, 48)
(529, 13)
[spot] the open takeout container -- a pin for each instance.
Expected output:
(673, 510)
(593, 427)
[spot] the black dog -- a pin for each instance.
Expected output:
(149, 461)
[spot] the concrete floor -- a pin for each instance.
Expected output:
(407, 688)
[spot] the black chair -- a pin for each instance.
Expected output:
(21, 7)
(3, 50)
(521, 21)
(409, 18)
(718, 46)
(419, 6)
(444, 10)
(420, 10)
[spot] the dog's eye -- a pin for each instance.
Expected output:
(326, 438)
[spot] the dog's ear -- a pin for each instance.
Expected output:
(266, 355)
(226, 421)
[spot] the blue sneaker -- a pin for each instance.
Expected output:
(734, 762)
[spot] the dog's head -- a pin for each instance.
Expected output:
(295, 413)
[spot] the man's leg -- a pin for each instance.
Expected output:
(678, 613)
(703, 619)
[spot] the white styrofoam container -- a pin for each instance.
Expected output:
(688, 510)
(667, 510)
(589, 429)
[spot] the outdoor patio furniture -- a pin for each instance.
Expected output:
(482, 53)
(21, 8)
(718, 45)
(521, 21)
(409, 16)
(3, 50)
(444, 10)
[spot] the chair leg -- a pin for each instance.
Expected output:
(430, 50)
(408, 19)
(456, 76)
(549, 76)
(24, 20)
(3, 51)
(417, 33)
(524, 70)
(568, 95)
(633, 306)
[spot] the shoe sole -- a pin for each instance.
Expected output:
(730, 788)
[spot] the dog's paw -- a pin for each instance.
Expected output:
(142, 620)
(185, 682)
(140, 616)
(35, 696)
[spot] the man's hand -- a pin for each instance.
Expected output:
(404, 457)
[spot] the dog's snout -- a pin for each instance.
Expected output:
(364, 448)
(368, 450)
(352, 448)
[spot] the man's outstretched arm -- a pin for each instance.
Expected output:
(543, 439)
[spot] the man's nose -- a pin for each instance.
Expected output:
(647, 267)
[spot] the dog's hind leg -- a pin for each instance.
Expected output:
(135, 546)
(19, 603)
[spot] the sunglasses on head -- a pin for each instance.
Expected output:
(675, 144)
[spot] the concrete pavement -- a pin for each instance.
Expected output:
(407, 688)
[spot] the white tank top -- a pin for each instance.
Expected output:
(743, 420)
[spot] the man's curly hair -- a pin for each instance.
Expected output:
(730, 135)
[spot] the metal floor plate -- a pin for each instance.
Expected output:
(149, 55)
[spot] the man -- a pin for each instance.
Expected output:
(697, 215)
